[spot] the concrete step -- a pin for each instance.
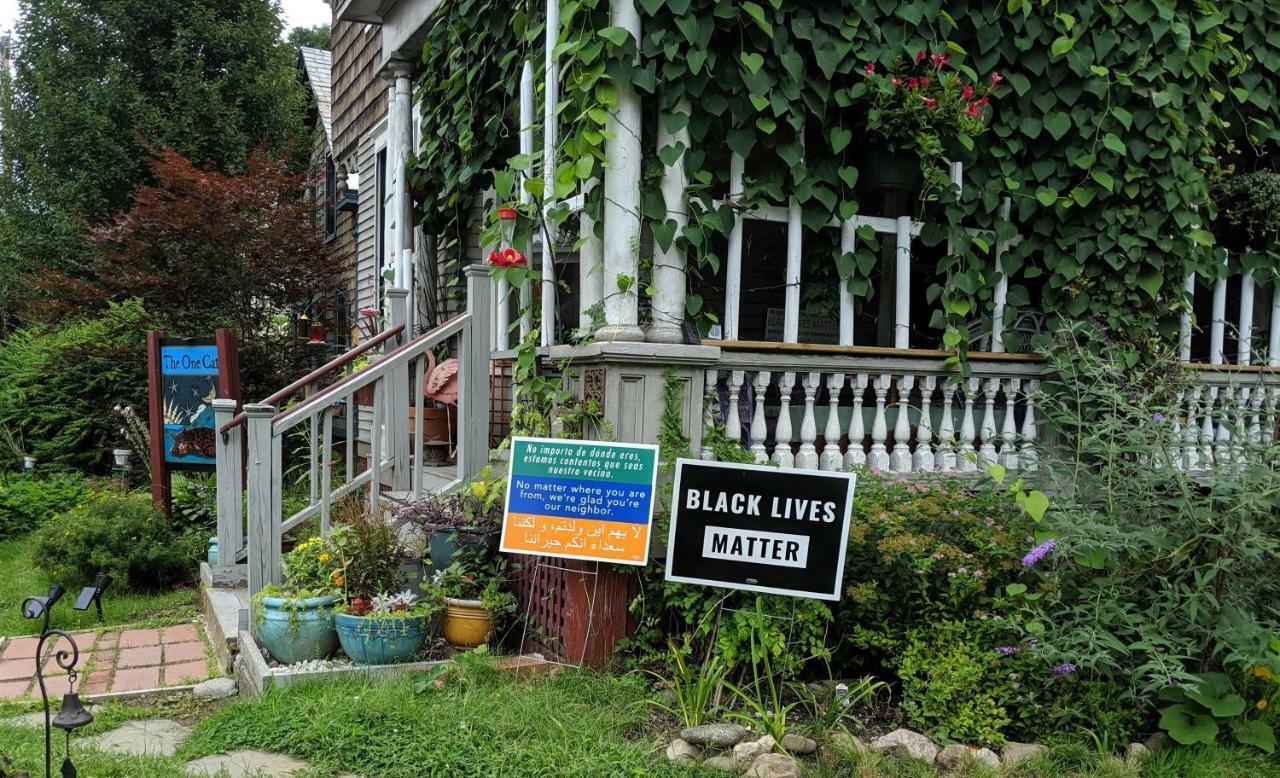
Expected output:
(224, 607)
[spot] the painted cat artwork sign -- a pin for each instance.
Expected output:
(189, 385)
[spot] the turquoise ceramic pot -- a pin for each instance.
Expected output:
(296, 630)
(380, 641)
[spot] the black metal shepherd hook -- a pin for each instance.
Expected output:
(72, 714)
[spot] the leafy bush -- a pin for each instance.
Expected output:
(949, 680)
(26, 503)
(368, 553)
(195, 503)
(923, 551)
(121, 535)
(59, 384)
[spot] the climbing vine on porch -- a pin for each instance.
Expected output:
(1108, 123)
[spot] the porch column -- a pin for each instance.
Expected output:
(590, 273)
(1273, 343)
(1184, 323)
(526, 149)
(669, 264)
(1244, 346)
(399, 148)
(733, 260)
(1218, 321)
(550, 97)
(848, 244)
(902, 286)
(622, 201)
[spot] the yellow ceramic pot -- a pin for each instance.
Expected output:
(466, 623)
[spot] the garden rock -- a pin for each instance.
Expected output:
(774, 766)
(904, 742)
(215, 689)
(725, 763)
(151, 737)
(746, 752)
(1157, 742)
(953, 756)
(714, 735)
(798, 744)
(845, 743)
(683, 752)
(1137, 751)
(1014, 753)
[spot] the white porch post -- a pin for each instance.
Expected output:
(1244, 345)
(400, 120)
(669, 264)
(848, 244)
(1273, 345)
(1184, 324)
(1001, 293)
(590, 273)
(902, 286)
(733, 259)
(795, 238)
(229, 471)
(526, 148)
(1218, 322)
(622, 202)
(549, 139)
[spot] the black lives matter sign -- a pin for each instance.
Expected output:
(759, 528)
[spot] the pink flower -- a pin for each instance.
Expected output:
(920, 56)
(983, 100)
(897, 82)
(930, 103)
(924, 81)
(996, 78)
(938, 60)
(972, 110)
(913, 83)
(870, 68)
(967, 92)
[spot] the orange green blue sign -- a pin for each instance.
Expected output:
(580, 499)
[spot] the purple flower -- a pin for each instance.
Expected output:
(1066, 668)
(1157, 416)
(1036, 554)
(1007, 650)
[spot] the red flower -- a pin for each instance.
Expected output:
(930, 103)
(938, 60)
(919, 57)
(897, 82)
(509, 256)
(913, 83)
(972, 110)
(495, 258)
(924, 81)
(967, 92)
(870, 68)
(983, 100)
(996, 78)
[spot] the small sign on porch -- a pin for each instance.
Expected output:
(759, 528)
(581, 499)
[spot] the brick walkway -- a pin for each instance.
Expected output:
(112, 661)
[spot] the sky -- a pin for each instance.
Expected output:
(297, 13)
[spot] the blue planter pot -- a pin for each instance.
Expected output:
(444, 542)
(296, 630)
(386, 641)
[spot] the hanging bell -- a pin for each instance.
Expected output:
(72, 714)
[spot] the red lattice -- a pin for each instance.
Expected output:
(500, 383)
(577, 610)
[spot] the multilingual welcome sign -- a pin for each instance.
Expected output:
(580, 498)
(759, 528)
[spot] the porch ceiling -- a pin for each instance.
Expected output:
(403, 23)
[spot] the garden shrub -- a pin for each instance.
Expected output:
(59, 384)
(922, 551)
(121, 535)
(27, 503)
(195, 503)
(948, 677)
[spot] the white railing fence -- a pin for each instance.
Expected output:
(1221, 414)
(394, 465)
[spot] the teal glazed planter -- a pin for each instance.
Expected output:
(387, 641)
(296, 630)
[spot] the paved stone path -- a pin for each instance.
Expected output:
(146, 737)
(111, 661)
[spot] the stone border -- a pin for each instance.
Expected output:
(256, 677)
(133, 694)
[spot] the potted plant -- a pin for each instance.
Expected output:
(294, 621)
(475, 600)
(917, 113)
(470, 516)
(386, 628)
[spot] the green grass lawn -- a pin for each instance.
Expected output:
(19, 578)
(574, 724)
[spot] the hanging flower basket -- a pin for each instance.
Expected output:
(887, 172)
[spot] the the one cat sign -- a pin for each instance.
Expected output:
(188, 387)
(759, 528)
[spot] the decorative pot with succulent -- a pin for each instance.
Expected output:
(294, 621)
(476, 600)
(386, 628)
(918, 113)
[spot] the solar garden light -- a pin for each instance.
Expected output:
(72, 714)
(92, 595)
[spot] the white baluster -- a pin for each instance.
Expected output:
(922, 458)
(1207, 453)
(807, 456)
(1253, 398)
(1175, 433)
(1029, 430)
(1009, 429)
(854, 454)
(947, 428)
(760, 430)
(878, 459)
(1269, 415)
(732, 419)
(900, 459)
(782, 432)
(1191, 433)
(710, 398)
(987, 453)
(967, 455)
(1222, 454)
(831, 459)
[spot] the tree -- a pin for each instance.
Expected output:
(97, 83)
(204, 249)
(312, 37)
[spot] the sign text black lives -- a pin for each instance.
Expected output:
(759, 528)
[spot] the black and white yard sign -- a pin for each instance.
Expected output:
(759, 528)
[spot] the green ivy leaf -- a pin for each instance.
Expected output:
(997, 472)
(1057, 124)
(1062, 45)
(1201, 237)
(766, 125)
(1151, 282)
(840, 138)
(1015, 589)
(1113, 143)
(1047, 196)
(752, 61)
(1036, 504)
(757, 15)
(615, 35)
(759, 102)
(1103, 178)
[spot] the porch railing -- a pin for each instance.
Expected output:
(395, 460)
